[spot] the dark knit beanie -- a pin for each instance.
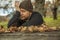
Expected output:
(27, 5)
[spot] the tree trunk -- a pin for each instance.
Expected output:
(40, 6)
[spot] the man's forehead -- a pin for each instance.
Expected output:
(21, 9)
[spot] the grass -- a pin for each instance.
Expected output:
(4, 24)
(49, 21)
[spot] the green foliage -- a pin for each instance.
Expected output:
(50, 22)
(4, 24)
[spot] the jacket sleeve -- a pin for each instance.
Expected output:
(35, 20)
(14, 20)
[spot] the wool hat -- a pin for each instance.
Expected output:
(27, 5)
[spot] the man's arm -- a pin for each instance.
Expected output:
(14, 19)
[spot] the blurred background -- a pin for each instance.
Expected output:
(49, 9)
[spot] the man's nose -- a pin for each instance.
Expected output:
(21, 13)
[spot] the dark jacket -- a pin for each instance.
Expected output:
(35, 19)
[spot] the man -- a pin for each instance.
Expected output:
(26, 16)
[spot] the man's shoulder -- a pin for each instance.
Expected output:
(37, 14)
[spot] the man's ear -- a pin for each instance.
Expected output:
(30, 12)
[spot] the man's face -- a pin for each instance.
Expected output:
(24, 14)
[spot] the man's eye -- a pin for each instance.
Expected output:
(22, 11)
